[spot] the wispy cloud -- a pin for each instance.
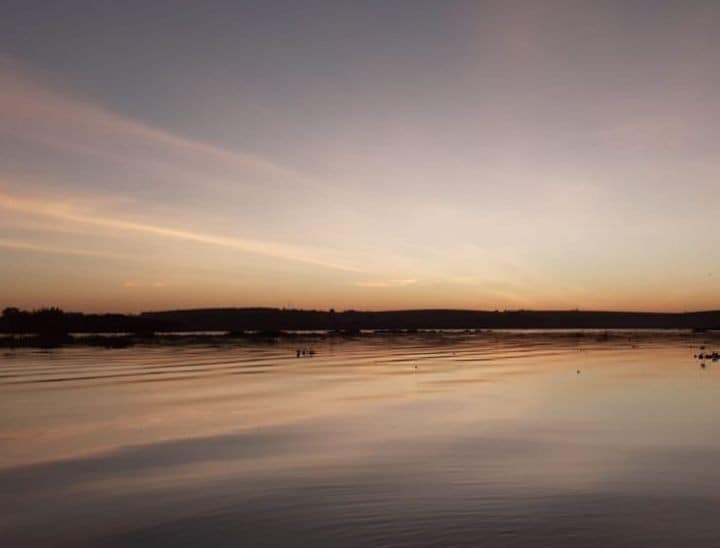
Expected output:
(55, 250)
(134, 284)
(64, 212)
(32, 112)
(386, 283)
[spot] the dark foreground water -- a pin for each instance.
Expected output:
(452, 440)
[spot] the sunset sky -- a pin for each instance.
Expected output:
(366, 154)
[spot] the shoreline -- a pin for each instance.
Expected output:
(178, 338)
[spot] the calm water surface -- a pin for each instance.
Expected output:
(433, 440)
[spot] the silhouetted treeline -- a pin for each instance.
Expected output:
(53, 321)
(274, 319)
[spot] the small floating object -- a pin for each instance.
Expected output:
(578, 371)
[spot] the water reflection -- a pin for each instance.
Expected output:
(452, 440)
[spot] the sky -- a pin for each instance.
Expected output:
(368, 155)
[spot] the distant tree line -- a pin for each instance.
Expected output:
(55, 322)
(352, 321)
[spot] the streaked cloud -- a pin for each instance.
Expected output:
(33, 112)
(62, 211)
(378, 284)
(135, 284)
(56, 250)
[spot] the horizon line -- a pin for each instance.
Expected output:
(375, 311)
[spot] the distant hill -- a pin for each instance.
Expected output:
(284, 319)
(54, 321)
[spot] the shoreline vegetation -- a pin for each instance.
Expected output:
(52, 328)
(116, 341)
